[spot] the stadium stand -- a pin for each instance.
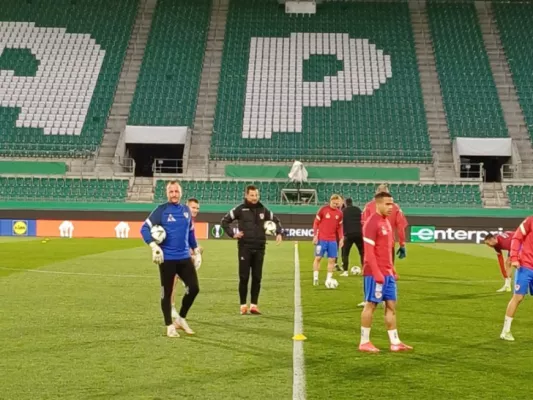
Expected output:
(414, 195)
(63, 189)
(469, 93)
(520, 196)
(515, 23)
(59, 68)
(169, 81)
(371, 111)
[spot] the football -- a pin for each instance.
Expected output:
(270, 228)
(356, 270)
(332, 283)
(158, 233)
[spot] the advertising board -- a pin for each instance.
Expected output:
(100, 229)
(443, 234)
(17, 227)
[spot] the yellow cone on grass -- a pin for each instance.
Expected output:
(299, 336)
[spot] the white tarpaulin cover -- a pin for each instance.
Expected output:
(298, 172)
(156, 134)
(499, 147)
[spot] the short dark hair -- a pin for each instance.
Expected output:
(349, 201)
(193, 200)
(488, 237)
(250, 188)
(382, 195)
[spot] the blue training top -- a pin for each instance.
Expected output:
(177, 221)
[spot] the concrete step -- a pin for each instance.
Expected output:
(196, 161)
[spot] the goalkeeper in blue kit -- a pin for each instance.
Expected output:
(173, 255)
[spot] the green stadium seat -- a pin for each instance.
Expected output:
(520, 196)
(370, 113)
(469, 94)
(407, 195)
(515, 24)
(63, 189)
(169, 81)
(60, 100)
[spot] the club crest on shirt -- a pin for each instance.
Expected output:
(262, 216)
(336, 217)
(384, 230)
(186, 214)
(171, 218)
(327, 215)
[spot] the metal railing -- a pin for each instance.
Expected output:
(472, 171)
(511, 172)
(167, 166)
(124, 165)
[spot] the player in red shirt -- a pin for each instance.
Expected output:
(379, 274)
(521, 255)
(194, 206)
(327, 227)
(500, 242)
(397, 220)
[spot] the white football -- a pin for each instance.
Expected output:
(270, 228)
(158, 233)
(332, 283)
(356, 270)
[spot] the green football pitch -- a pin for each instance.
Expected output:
(80, 319)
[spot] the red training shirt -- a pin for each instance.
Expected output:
(522, 244)
(378, 239)
(504, 241)
(396, 218)
(328, 224)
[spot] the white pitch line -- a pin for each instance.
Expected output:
(298, 375)
(41, 271)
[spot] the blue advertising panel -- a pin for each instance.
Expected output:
(18, 227)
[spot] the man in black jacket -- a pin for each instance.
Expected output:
(352, 233)
(251, 216)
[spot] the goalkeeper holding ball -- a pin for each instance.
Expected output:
(251, 216)
(173, 255)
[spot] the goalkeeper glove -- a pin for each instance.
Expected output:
(197, 258)
(401, 253)
(157, 253)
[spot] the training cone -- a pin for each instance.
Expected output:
(299, 337)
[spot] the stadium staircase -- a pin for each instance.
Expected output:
(437, 127)
(493, 195)
(118, 116)
(197, 159)
(141, 190)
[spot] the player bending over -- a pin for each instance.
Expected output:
(194, 206)
(327, 227)
(500, 242)
(173, 255)
(521, 255)
(379, 275)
